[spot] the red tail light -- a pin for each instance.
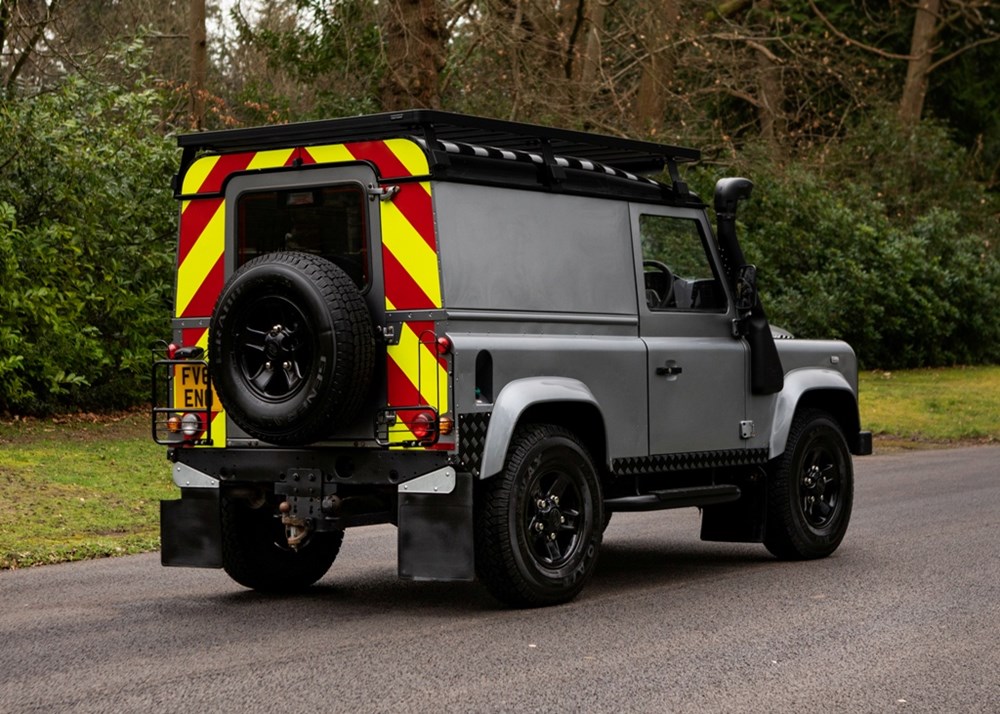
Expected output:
(423, 426)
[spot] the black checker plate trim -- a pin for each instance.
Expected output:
(471, 440)
(639, 465)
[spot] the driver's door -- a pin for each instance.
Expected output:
(696, 370)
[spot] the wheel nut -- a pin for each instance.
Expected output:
(539, 527)
(552, 536)
(562, 519)
(268, 366)
(286, 365)
(555, 500)
(541, 503)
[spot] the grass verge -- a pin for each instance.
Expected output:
(88, 486)
(925, 408)
(79, 487)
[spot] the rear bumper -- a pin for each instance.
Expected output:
(388, 467)
(431, 504)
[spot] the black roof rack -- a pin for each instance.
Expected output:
(431, 125)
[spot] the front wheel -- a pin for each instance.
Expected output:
(256, 555)
(538, 523)
(810, 490)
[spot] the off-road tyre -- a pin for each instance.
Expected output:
(810, 490)
(291, 349)
(516, 558)
(256, 555)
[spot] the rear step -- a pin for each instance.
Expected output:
(675, 498)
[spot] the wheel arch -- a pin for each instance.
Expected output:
(560, 401)
(824, 389)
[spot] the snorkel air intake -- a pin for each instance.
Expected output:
(766, 373)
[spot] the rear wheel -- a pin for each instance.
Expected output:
(255, 554)
(538, 523)
(810, 490)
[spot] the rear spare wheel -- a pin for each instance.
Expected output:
(292, 348)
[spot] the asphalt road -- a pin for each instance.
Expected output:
(904, 617)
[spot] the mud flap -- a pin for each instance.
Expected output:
(191, 530)
(739, 521)
(435, 533)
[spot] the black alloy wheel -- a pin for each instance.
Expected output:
(810, 490)
(275, 347)
(552, 513)
(538, 522)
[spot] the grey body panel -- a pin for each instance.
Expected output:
(810, 365)
(605, 371)
(532, 251)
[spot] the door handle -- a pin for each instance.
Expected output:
(669, 370)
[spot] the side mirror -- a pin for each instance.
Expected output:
(746, 289)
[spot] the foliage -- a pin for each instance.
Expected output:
(86, 240)
(863, 230)
(314, 58)
(882, 241)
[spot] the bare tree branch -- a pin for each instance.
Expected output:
(867, 48)
(962, 50)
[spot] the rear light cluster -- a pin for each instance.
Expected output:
(181, 396)
(427, 426)
(189, 425)
(421, 424)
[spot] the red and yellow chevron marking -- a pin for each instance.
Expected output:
(417, 376)
(409, 253)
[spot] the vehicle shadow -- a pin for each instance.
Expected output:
(624, 568)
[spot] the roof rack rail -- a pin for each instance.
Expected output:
(433, 126)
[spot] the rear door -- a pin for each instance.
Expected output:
(320, 211)
(696, 370)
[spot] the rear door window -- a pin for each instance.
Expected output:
(326, 221)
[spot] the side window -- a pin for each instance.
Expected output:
(328, 221)
(677, 272)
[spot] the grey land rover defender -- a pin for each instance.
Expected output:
(492, 335)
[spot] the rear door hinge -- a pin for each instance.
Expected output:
(383, 193)
(747, 429)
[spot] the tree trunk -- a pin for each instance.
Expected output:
(414, 38)
(662, 21)
(911, 105)
(199, 63)
(592, 46)
(770, 91)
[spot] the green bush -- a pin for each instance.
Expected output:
(86, 245)
(882, 241)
